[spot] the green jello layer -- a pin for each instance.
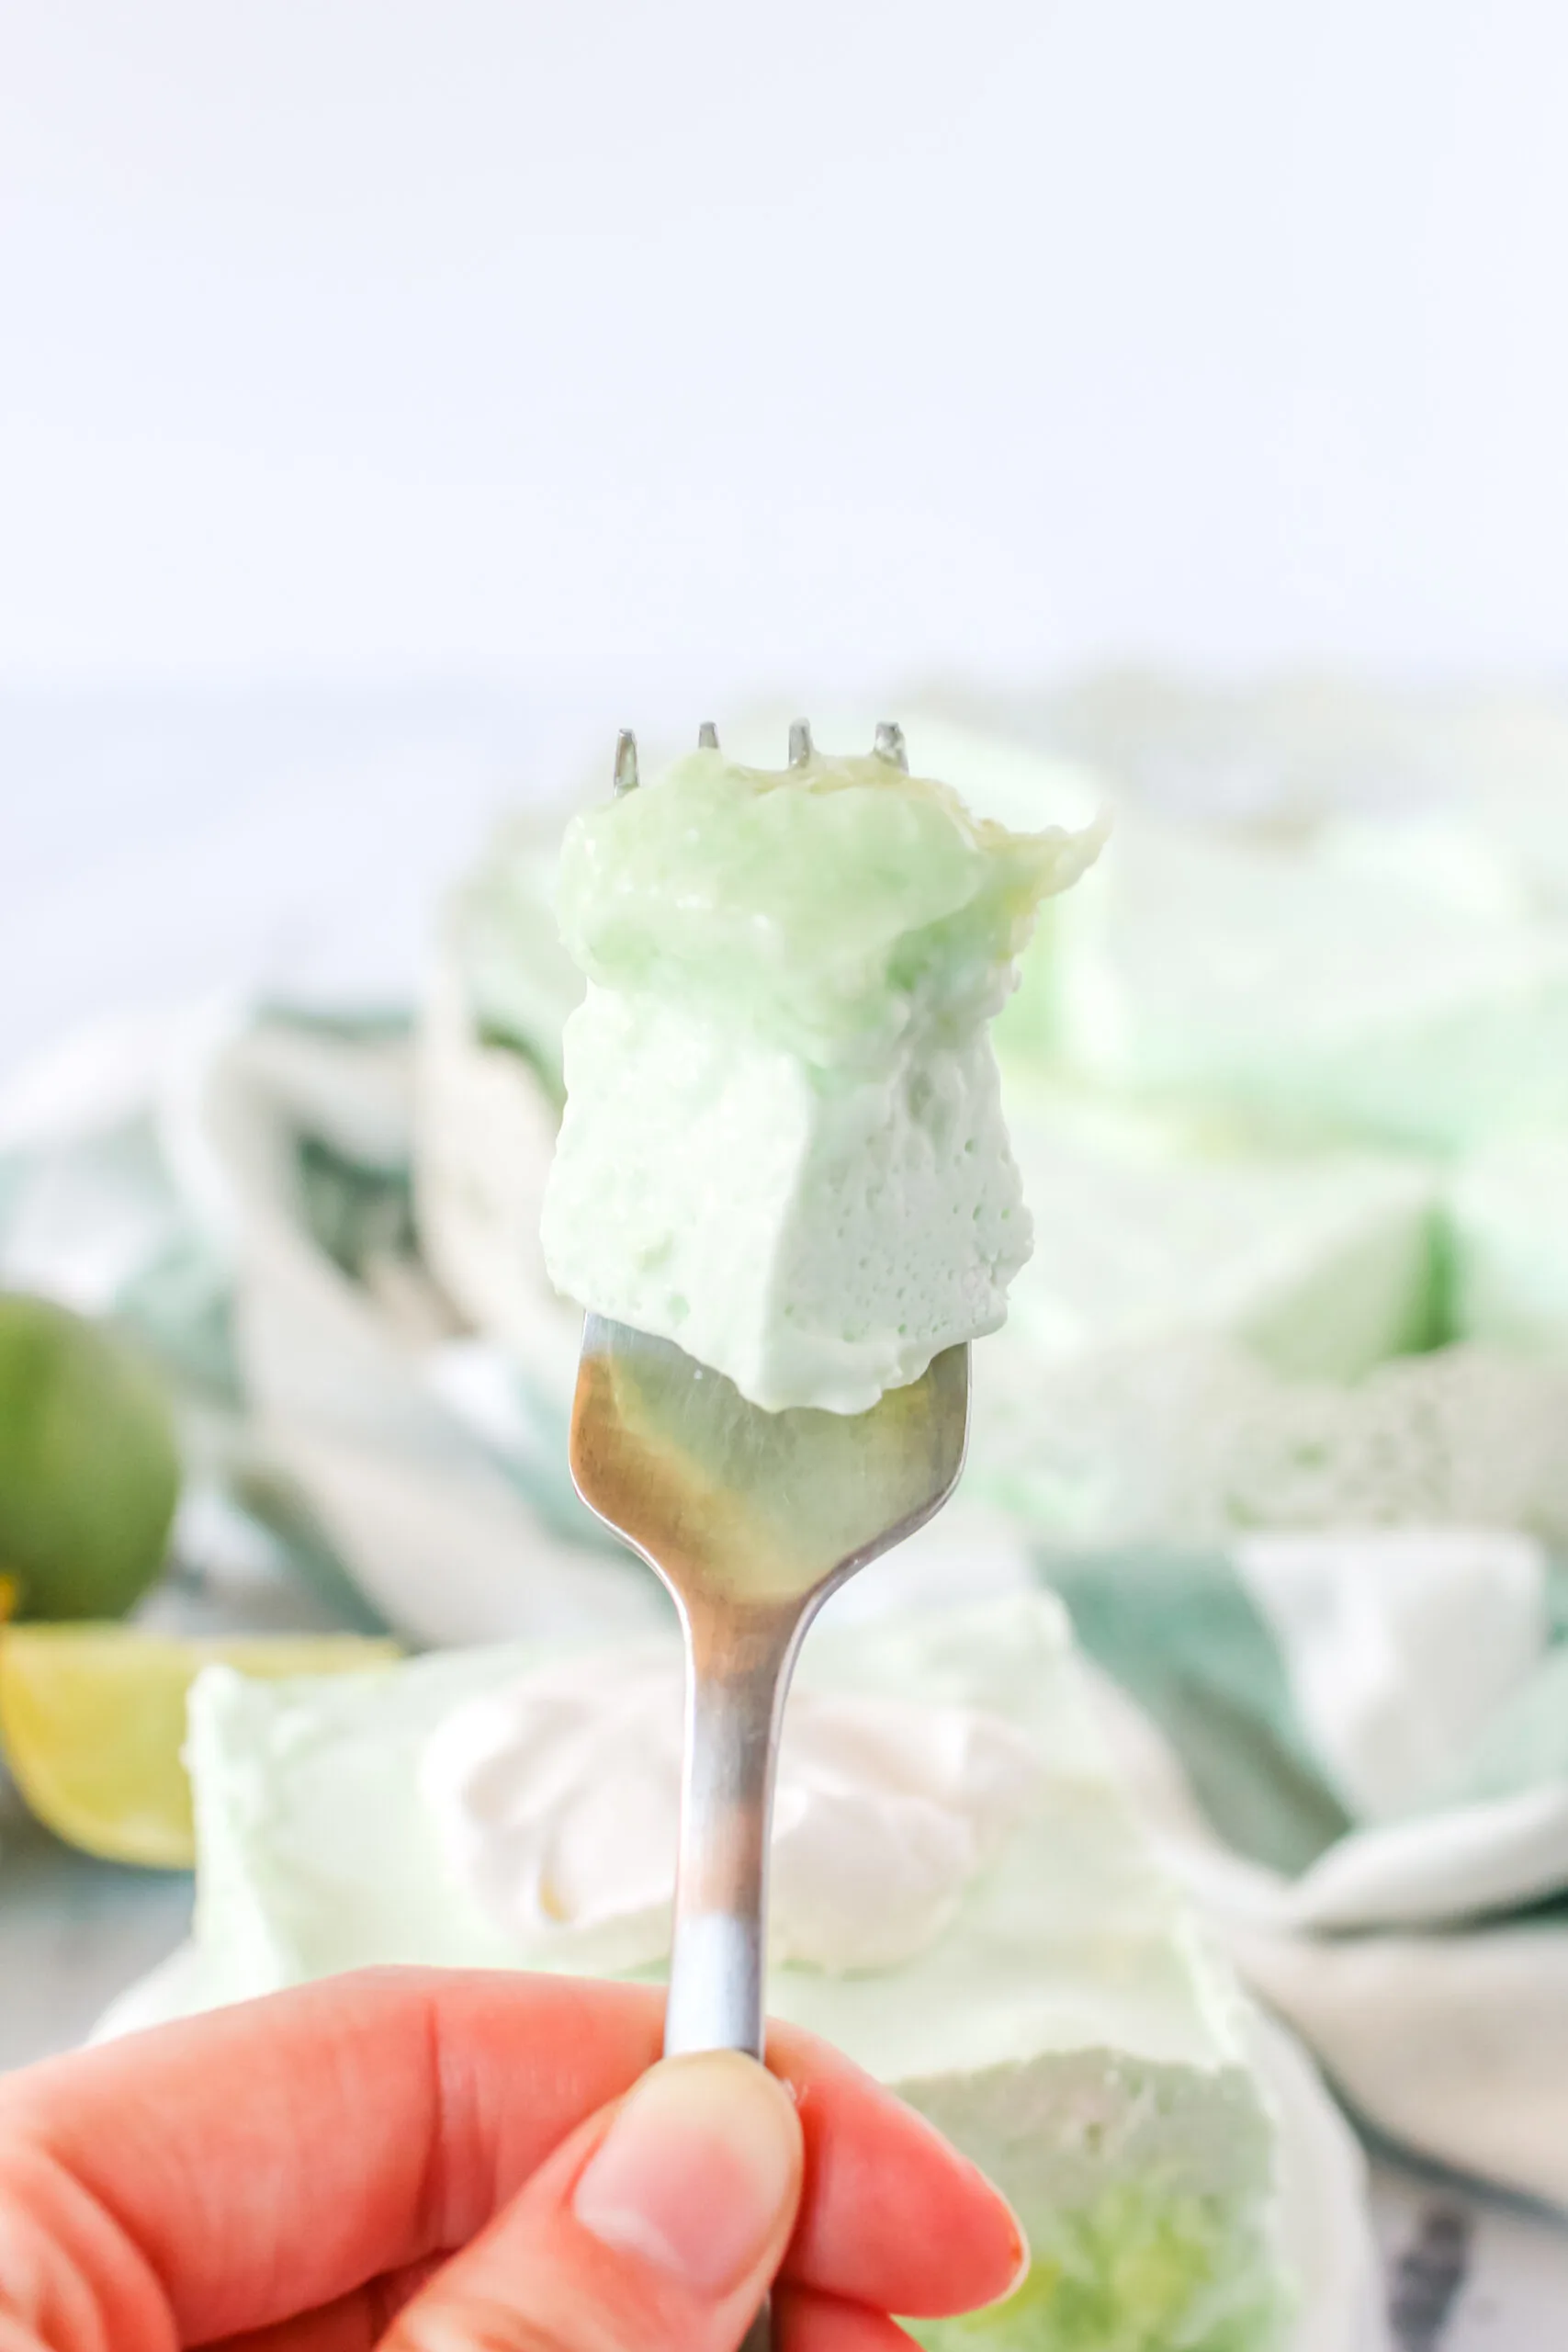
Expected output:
(1136, 2272)
(814, 905)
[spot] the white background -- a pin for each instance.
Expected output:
(390, 390)
(593, 345)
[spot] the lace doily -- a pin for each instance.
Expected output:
(1196, 1440)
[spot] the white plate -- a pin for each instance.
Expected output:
(1327, 2224)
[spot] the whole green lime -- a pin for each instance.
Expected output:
(89, 1474)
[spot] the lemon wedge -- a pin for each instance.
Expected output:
(93, 1720)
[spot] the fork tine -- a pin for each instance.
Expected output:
(626, 763)
(800, 743)
(707, 736)
(890, 745)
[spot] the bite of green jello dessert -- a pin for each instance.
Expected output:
(783, 1144)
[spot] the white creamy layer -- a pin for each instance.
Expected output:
(1067, 2024)
(558, 1797)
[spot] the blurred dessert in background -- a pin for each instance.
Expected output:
(1262, 1066)
(988, 1928)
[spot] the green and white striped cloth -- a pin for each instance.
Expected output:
(1357, 1748)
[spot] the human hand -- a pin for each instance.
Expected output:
(426, 2161)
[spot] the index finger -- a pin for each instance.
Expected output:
(271, 2157)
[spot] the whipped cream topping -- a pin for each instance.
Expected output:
(558, 1798)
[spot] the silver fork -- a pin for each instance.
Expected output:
(751, 1520)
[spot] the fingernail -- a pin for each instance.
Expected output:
(698, 2170)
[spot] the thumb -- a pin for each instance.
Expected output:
(656, 2228)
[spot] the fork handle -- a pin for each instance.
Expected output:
(738, 1672)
